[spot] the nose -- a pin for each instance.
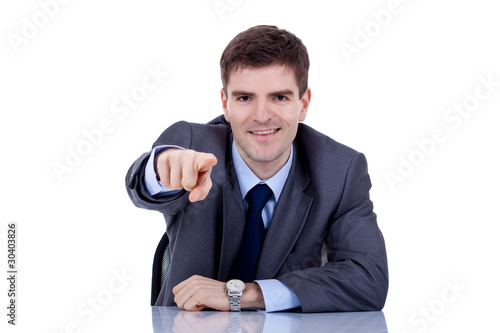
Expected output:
(262, 112)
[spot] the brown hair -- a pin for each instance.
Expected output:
(263, 46)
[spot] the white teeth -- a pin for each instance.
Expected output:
(265, 132)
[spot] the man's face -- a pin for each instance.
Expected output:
(264, 108)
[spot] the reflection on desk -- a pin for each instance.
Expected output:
(173, 319)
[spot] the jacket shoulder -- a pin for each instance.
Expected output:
(196, 136)
(317, 144)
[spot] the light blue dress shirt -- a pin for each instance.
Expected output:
(277, 295)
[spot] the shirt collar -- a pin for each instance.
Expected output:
(247, 179)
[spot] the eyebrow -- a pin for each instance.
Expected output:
(274, 93)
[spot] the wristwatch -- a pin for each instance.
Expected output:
(235, 289)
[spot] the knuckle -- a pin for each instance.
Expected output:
(162, 157)
(174, 184)
(188, 183)
(165, 183)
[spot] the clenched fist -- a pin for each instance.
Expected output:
(186, 169)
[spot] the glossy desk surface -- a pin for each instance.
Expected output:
(172, 319)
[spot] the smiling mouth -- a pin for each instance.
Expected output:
(270, 131)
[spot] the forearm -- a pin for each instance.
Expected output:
(352, 282)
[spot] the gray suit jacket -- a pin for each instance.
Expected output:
(323, 240)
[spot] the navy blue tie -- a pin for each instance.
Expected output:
(248, 255)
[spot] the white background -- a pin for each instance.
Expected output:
(440, 224)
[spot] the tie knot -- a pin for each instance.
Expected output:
(257, 197)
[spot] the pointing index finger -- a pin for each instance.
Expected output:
(206, 162)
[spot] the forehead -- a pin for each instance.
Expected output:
(270, 78)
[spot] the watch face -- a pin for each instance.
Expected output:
(235, 286)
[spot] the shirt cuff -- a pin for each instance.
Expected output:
(277, 295)
(151, 181)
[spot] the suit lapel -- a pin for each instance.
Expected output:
(287, 222)
(234, 218)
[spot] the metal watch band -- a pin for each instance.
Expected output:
(234, 301)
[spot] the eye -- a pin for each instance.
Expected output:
(243, 98)
(280, 98)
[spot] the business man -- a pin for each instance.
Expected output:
(262, 211)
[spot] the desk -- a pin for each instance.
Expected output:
(172, 319)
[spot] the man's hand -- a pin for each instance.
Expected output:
(186, 169)
(198, 292)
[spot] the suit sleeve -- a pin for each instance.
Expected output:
(355, 275)
(179, 134)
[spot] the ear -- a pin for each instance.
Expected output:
(223, 98)
(305, 100)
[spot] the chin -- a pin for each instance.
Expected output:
(264, 157)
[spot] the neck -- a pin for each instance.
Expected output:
(265, 169)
